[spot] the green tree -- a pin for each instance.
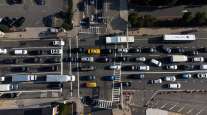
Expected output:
(133, 19)
(149, 21)
(187, 18)
(4, 28)
(200, 18)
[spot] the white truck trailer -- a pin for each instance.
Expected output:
(8, 87)
(178, 58)
(119, 39)
(24, 78)
(60, 78)
(179, 38)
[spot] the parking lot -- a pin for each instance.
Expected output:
(33, 13)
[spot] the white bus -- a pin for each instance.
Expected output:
(119, 39)
(179, 38)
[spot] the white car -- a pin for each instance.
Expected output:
(156, 62)
(198, 59)
(56, 51)
(87, 59)
(20, 52)
(140, 59)
(2, 78)
(115, 67)
(202, 75)
(122, 50)
(170, 78)
(3, 51)
(143, 68)
(58, 43)
(174, 85)
(156, 81)
(172, 67)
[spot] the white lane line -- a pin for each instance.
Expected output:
(37, 73)
(201, 111)
(37, 48)
(22, 56)
(181, 108)
(173, 106)
(163, 106)
(167, 72)
(29, 64)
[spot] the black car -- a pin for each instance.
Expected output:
(166, 49)
(121, 59)
(7, 21)
(193, 52)
(52, 60)
(19, 22)
(150, 50)
(134, 50)
(87, 68)
(124, 84)
(36, 52)
(71, 59)
(20, 69)
(9, 61)
(136, 76)
(11, 2)
(202, 50)
(129, 68)
(9, 95)
(106, 51)
(103, 59)
(187, 67)
(88, 78)
(40, 2)
(55, 85)
(77, 50)
(33, 60)
(49, 68)
(178, 50)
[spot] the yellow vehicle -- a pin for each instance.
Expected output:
(91, 84)
(94, 51)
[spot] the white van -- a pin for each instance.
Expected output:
(174, 85)
(203, 66)
(20, 52)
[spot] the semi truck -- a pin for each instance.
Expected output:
(178, 58)
(179, 38)
(24, 78)
(8, 87)
(119, 39)
(60, 78)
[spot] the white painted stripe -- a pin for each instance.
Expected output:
(173, 106)
(181, 108)
(190, 111)
(201, 111)
(164, 72)
(163, 106)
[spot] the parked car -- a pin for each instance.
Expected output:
(106, 51)
(52, 60)
(56, 51)
(56, 30)
(36, 52)
(40, 2)
(136, 76)
(150, 50)
(103, 59)
(174, 85)
(49, 68)
(172, 67)
(198, 59)
(94, 51)
(87, 68)
(20, 52)
(109, 78)
(170, 78)
(122, 50)
(201, 75)
(194, 52)
(33, 60)
(203, 66)
(11, 2)
(88, 78)
(166, 49)
(115, 67)
(125, 84)
(18, 22)
(20, 69)
(71, 59)
(187, 67)
(186, 76)
(121, 59)
(140, 59)
(90, 85)
(3, 51)
(178, 50)
(156, 81)
(9, 61)
(55, 85)
(134, 50)
(87, 59)
(156, 62)
(77, 50)
(58, 43)
(143, 68)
